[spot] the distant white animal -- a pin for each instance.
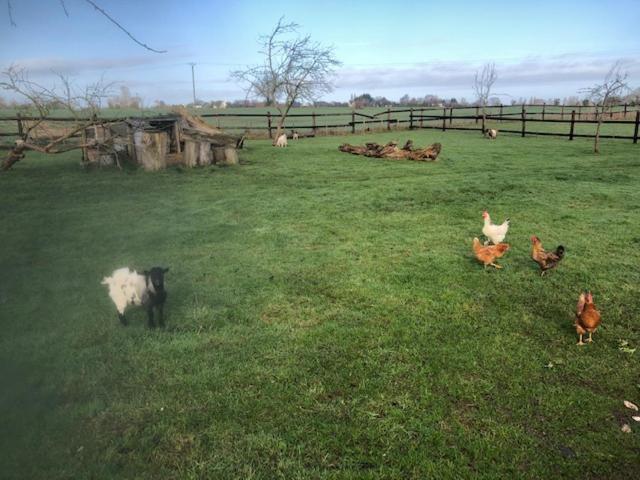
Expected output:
(294, 136)
(281, 141)
(491, 133)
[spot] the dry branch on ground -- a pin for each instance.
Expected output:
(391, 150)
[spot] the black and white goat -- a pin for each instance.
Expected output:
(128, 287)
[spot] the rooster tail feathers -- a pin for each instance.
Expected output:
(581, 301)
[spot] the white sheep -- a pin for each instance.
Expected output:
(491, 133)
(294, 135)
(282, 140)
(128, 287)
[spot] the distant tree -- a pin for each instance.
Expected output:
(556, 102)
(482, 85)
(633, 97)
(124, 99)
(453, 102)
(603, 95)
(294, 69)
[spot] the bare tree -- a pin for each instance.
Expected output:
(482, 85)
(100, 10)
(294, 69)
(83, 105)
(604, 94)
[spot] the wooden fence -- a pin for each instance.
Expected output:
(441, 118)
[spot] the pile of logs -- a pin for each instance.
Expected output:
(391, 150)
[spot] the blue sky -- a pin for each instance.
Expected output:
(542, 48)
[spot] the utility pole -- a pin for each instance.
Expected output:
(193, 81)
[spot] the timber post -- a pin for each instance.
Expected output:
(450, 116)
(20, 129)
(353, 121)
(411, 119)
(625, 109)
(477, 113)
(524, 121)
(501, 112)
(421, 115)
(269, 125)
(573, 123)
(314, 127)
(388, 119)
(444, 119)
(562, 112)
(635, 130)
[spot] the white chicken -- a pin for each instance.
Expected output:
(495, 233)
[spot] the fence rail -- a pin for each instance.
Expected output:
(421, 117)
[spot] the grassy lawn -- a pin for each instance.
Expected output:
(326, 317)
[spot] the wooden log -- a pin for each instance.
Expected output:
(190, 153)
(391, 151)
(205, 155)
(231, 156)
(152, 149)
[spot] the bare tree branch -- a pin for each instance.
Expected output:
(39, 135)
(102, 12)
(112, 20)
(604, 94)
(294, 69)
(64, 8)
(10, 8)
(482, 85)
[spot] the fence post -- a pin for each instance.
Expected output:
(579, 112)
(524, 120)
(20, 130)
(562, 112)
(477, 113)
(450, 116)
(388, 119)
(421, 115)
(635, 131)
(444, 119)
(500, 112)
(625, 110)
(411, 119)
(353, 122)
(269, 124)
(544, 106)
(314, 127)
(573, 123)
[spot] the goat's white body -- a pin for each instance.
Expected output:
(281, 141)
(295, 136)
(492, 133)
(126, 287)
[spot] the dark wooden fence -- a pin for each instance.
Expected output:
(441, 118)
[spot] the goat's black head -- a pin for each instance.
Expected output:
(156, 276)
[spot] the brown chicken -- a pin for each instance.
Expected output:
(587, 317)
(546, 260)
(488, 254)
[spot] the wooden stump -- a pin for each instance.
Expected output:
(152, 149)
(190, 154)
(205, 155)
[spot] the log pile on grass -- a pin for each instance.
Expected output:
(391, 150)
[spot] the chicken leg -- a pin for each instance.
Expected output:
(580, 342)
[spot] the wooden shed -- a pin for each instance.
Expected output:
(157, 142)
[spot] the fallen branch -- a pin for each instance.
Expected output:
(391, 150)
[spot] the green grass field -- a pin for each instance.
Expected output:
(326, 317)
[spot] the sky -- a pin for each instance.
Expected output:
(546, 49)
